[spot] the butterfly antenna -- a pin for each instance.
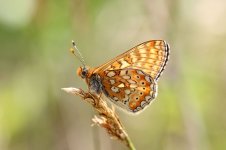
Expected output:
(79, 56)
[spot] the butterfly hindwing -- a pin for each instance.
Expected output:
(128, 88)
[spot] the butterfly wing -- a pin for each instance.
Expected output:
(150, 57)
(128, 88)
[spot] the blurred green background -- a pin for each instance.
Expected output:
(35, 63)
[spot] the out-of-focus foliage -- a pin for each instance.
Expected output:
(35, 35)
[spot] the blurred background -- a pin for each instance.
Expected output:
(35, 63)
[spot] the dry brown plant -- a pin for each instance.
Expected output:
(106, 118)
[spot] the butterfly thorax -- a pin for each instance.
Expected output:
(95, 85)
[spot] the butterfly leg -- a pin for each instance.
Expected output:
(98, 97)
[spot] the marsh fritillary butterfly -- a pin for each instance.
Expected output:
(130, 79)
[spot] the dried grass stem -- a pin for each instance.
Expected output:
(107, 118)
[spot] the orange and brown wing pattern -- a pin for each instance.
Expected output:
(150, 57)
(131, 89)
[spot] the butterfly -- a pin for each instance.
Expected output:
(130, 79)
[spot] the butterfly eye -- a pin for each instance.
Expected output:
(84, 72)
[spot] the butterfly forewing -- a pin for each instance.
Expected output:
(128, 88)
(150, 57)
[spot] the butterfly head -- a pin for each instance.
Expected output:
(83, 72)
